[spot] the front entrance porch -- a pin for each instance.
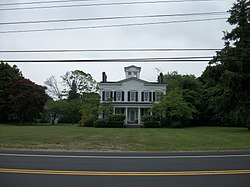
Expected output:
(133, 114)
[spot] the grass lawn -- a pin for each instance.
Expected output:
(126, 139)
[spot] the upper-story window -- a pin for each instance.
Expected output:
(146, 96)
(132, 96)
(106, 95)
(118, 95)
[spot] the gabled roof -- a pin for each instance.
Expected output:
(133, 78)
(133, 67)
(129, 79)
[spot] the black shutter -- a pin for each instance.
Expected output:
(142, 96)
(103, 95)
(122, 95)
(150, 96)
(153, 96)
(128, 96)
(136, 96)
(114, 95)
(111, 95)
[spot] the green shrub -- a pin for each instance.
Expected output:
(151, 124)
(88, 123)
(115, 124)
(165, 122)
(100, 123)
(147, 118)
(116, 117)
(176, 123)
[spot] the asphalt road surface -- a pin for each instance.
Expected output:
(108, 169)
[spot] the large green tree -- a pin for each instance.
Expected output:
(174, 107)
(80, 81)
(26, 100)
(226, 80)
(7, 74)
(190, 87)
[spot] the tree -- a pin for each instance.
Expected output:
(26, 100)
(173, 106)
(73, 91)
(7, 74)
(90, 108)
(226, 80)
(189, 86)
(53, 88)
(53, 110)
(83, 82)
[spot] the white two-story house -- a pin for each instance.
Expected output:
(131, 96)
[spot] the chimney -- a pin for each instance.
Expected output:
(160, 78)
(104, 77)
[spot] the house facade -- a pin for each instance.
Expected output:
(131, 96)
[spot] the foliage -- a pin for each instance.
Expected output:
(79, 105)
(70, 111)
(106, 109)
(190, 87)
(115, 124)
(100, 123)
(151, 124)
(7, 74)
(117, 117)
(26, 100)
(79, 81)
(226, 81)
(54, 110)
(173, 105)
(90, 108)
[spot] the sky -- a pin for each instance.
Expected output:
(200, 34)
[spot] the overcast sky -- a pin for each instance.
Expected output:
(205, 34)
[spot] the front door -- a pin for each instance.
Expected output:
(133, 115)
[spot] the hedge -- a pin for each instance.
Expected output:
(117, 117)
(115, 124)
(100, 123)
(151, 124)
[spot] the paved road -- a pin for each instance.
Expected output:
(36, 168)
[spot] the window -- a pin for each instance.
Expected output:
(129, 73)
(118, 96)
(132, 96)
(146, 96)
(107, 95)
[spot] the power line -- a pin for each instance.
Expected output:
(44, 2)
(110, 26)
(174, 59)
(108, 50)
(162, 60)
(104, 4)
(113, 18)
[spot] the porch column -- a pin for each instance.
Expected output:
(126, 113)
(139, 115)
(114, 110)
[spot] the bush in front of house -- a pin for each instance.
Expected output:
(165, 122)
(100, 123)
(151, 124)
(115, 124)
(116, 117)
